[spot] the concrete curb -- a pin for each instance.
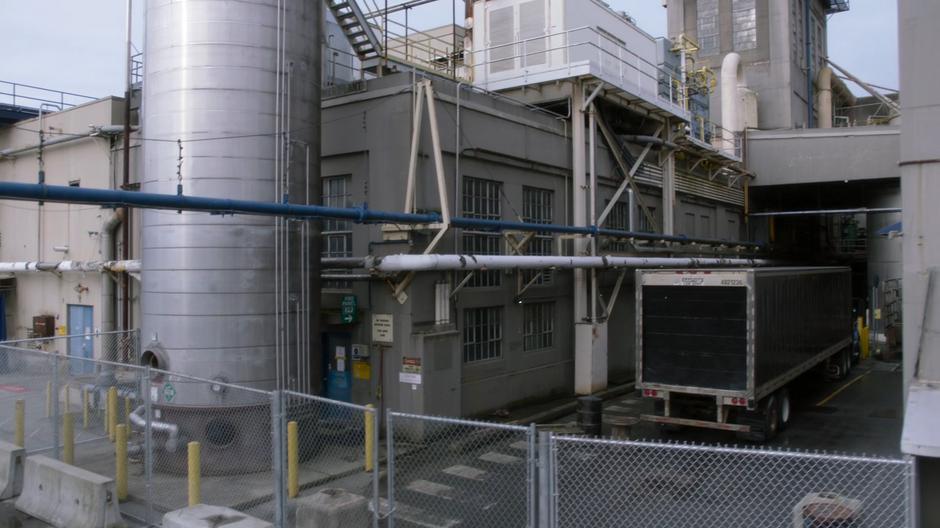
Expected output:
(568, 408)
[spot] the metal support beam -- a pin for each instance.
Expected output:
(626, 182)
(669, 184)
(614, 145)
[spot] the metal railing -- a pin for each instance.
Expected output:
(29, 96)
(276, 455)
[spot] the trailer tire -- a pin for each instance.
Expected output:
(783, 396)
(765, 422)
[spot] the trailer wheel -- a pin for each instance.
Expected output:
(765, 422)
(783, 396)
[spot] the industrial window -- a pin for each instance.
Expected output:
(482, 333)
(619, 219)
(744, 18)
(538, 323)
(337, 234)
(643, 223)
(537, 208)
(709, 36)
(481, 200)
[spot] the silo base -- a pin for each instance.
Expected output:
(234, 440)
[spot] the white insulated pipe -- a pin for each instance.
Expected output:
(398, 263)
(99, 266)
(824, 98)
(732, 79)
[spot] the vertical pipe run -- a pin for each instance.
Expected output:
(48, 399)
(68, 438)
(112, 412)
(592, 146)
(293, 459)
(193, 469)
(126, 235)
(120, 461)
(369, 418)
(19, 434)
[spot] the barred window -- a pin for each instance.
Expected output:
(619, 219)
(481, 200)
(643, 223)
(337, 234)
(538, 208)
(744, 18)
(709, 36)
(482, 333)
(538, 323)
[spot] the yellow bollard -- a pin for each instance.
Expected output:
(48, 399)
(68, 402)
(68, 439)
(863, 342)
(19, 434)
(112, 412)
(84, 408)
(293, 484)
(127, 411)
(370, 438)
(120, 453)
(194, 469)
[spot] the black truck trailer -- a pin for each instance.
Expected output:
(718, 348)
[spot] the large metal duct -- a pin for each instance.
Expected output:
(236, 82)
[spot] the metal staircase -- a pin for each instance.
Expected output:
(357, 30)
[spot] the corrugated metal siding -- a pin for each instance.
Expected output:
(652, 175)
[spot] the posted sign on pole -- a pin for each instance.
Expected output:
(382, 329)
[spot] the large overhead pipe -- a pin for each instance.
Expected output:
(732, 78)
(224, 206)
(397, 263)
(82, 266)
(824, 97)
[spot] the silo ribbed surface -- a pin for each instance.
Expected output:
(208, 282)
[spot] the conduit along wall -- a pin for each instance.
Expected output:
(230, 110)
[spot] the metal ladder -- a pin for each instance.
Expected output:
(357, 30)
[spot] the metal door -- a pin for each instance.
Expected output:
(338, 349)
(81, 324)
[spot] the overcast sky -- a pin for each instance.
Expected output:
(77, 45)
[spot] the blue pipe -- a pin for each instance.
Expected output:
(362, 215)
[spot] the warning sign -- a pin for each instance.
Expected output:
(382, 328)
(410, 370)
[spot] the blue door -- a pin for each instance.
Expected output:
(337, 350)
(80, 322)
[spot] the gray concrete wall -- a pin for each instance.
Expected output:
(367, 136)
(771, 69)
(822, 155)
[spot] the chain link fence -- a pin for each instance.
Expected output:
(279, 455)
(600, 483)
(334, 447)
(444, 472)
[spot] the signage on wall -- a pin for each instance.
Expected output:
(349, 309)
(410, 370)
(382, 328)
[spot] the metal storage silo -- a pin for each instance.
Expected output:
(234, 83)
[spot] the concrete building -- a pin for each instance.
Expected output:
(81, 148)
(782, 43)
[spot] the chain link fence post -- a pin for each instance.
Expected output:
(54, 395)
(532, 476)
(390, 468)
(544, 481)
(148, 440)
(376, 425)
(277, 457)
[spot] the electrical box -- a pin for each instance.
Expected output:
(43, 326)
